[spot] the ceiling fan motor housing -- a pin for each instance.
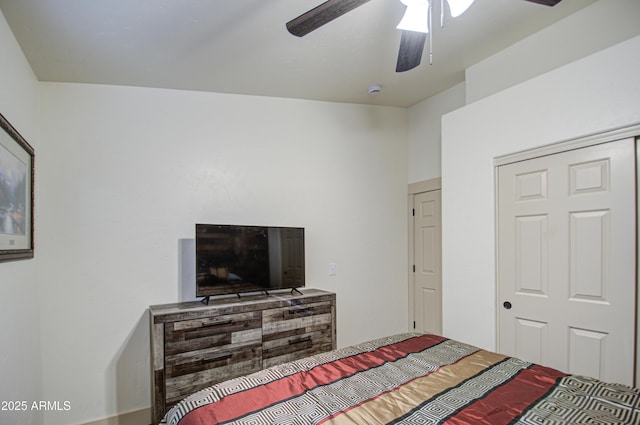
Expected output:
(546, 2)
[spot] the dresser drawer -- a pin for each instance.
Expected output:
(214, 331)
(202, 352)
(296, 331)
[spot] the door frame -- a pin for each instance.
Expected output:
(414, 189)
(564, 146)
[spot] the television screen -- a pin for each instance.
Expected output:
(233, 259)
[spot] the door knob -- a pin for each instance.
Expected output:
(507, 305)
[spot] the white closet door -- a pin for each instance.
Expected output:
(427, 289)
(567, 260)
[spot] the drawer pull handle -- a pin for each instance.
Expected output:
(299, 340)
(299, 312)
(221, 323)
(217, 357)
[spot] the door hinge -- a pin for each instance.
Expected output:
(414, 324)
(414, 268)
(413, 212)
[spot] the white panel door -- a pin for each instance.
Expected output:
(566, 260)
(427, 288)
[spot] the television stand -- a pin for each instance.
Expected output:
(206, 298)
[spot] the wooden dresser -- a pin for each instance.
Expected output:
(194, 345)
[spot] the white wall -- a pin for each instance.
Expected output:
(126, 172)
(425, 132)
(600, 25)
(592, 95)
(19, 307)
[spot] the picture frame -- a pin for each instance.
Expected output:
(16, 194)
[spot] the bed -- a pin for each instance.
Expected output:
(409, 379)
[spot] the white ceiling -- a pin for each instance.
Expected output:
(243, 47)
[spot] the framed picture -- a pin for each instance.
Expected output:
(16, 194)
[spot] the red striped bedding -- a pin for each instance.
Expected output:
(409, 379)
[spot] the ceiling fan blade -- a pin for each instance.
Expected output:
(546, 2)
(411, 47)
(320, 15)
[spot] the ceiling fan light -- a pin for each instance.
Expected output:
(416, 17)
(458, 7)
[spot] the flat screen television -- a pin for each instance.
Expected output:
(234, 259)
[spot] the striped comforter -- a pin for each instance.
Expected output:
(409, 379)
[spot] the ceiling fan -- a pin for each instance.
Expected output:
(412, 39)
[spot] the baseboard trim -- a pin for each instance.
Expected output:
(137, 417)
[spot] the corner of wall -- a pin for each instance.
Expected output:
(590, 30)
